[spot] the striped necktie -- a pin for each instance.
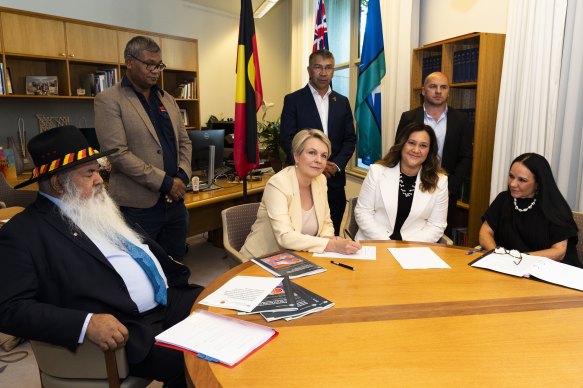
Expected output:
(147, 264)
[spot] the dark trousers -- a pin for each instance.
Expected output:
(337, 203)
(166, 223)
(164, 364)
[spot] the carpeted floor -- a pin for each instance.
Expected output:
(205, 261)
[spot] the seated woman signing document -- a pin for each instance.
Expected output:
(404, 195)
(294, 212)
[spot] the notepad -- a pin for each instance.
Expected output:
(364, 253)
(526, 265)
(216, 337)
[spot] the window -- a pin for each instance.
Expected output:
(347, 19)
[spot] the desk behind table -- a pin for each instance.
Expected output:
(205, 207)
(395, 327)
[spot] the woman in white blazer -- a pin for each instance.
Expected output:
(294, 212)
(404, 195)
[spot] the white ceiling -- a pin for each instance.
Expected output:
(229, 6)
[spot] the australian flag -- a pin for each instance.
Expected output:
(321, 29)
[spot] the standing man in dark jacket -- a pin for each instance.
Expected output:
(318, 106)
(452, 128)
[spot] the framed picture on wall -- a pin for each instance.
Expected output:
(184, 115)
(42, 85)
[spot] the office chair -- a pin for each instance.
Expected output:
(237, 222)
(88, 367)
(12, 197)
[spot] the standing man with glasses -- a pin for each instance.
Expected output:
(318, 106)
(152, 167)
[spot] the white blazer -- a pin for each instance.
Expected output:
(376, 210)
(279, 218)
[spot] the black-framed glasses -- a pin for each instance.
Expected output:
(151, 66)
(320, 68)
(512, 252)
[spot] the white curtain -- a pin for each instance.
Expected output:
(302, 39)
(528, 108)
(567, 155)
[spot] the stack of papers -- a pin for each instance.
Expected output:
(364, 253)
(216, 337)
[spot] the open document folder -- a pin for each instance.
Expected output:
(524, 265)
(216, 337)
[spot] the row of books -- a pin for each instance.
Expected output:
(460, 236)
(5, 81)
(430, 65)
(289, 301)
(465, 65)
(187, 89)
(98, 81)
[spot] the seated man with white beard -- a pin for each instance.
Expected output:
(72, 270)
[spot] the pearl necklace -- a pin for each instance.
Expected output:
(526, 209)
(406, 192)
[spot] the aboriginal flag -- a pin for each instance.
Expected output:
(249, 95)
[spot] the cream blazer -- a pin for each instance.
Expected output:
(376, 210)
(279, 218)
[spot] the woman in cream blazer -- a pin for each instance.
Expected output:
(407, 181)
(283, 222)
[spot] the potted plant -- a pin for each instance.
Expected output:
(268, 135)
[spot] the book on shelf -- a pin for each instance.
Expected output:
(307, 302)
(285, 263)
(216, 338)
(2, 83)
(9, 89)
(281, 298)
(515, 263)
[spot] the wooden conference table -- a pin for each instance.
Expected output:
(462, 326)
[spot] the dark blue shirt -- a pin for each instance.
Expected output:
(165, 131)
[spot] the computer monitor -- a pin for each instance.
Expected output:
(229, 127)
(201, 140)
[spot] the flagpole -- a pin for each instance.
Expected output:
(245, 189)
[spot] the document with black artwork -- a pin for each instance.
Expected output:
(280, 299)
(288, 264)
(515, 263)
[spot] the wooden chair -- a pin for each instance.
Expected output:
(578, 217)
(237, 222)
(352, 227)
(88, 367)
(12, 197)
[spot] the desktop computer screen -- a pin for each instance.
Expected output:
(201, 140)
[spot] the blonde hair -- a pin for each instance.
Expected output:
(300, 138)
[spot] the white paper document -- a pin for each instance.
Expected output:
(364, 253)
(537, 266)
(216, 337)
(242, 293)
(417, 258)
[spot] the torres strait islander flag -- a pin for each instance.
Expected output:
(321, 28)
(249, 95)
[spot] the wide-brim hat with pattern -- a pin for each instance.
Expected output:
(59, 149)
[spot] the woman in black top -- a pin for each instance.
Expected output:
(532, 215)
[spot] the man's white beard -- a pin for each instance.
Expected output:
(98, 216)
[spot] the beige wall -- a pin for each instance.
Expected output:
(443, 19)
(217, 34)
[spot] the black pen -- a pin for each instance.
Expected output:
(347, 232)
(342, 265)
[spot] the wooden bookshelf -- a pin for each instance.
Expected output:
(481, 95)
(35, 44)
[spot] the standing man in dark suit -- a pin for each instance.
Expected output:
(452, 128)
(318, 106)
(72, 270)
(152, 167)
